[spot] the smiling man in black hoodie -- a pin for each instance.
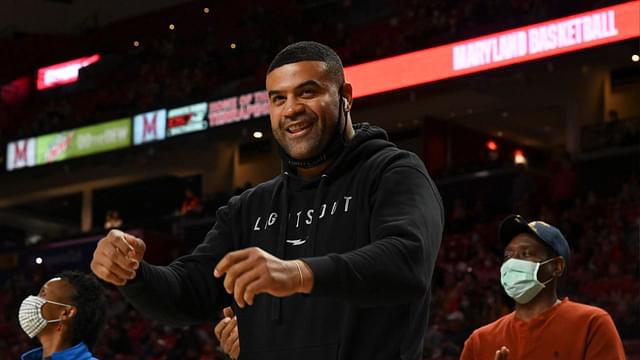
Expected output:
(332, 259)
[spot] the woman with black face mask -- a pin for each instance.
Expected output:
(66, 316)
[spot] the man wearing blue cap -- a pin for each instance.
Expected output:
(542, 326)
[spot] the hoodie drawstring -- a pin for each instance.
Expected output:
(276, 302)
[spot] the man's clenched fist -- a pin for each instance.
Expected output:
(117, 257)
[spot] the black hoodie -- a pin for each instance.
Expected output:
(369, 228)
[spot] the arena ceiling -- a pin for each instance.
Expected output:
(71, 16)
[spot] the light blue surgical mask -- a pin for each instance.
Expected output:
(519, 278)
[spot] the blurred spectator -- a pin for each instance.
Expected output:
(67, 317)
(535, 256)
(112, 220)
(191, 203)
(563, 184)
(522, 190)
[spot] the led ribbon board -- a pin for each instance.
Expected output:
(186, 119)
(238, 108)
(546, 39)
(63, 73)
(83, 141)
(150, 126)
(21, 153)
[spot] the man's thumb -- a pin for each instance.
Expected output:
(138, 245)
(228, 312)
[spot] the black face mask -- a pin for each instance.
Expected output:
(333, 148)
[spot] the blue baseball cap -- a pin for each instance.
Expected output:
(547, 234)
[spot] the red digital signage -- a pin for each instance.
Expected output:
(550, 38)
(63, 73)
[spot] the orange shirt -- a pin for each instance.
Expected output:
(566, 331)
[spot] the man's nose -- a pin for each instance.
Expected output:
(293, 107)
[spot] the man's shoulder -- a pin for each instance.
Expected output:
(391, 157)
(259, 190)
(579, 310)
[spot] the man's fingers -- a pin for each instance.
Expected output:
(118, 239)
(122, 260)
(123, 271)
(241, 283)
(502, 353)
(228, 312)
(112, 255)
(219, 327)
(120, 250)
(228, 346)
(253, 289)
(233, 336)
(106, 275)
(226, 332)
(235, 349)
(114, 261)
(229, 260)
(235, 271)
(137, 245)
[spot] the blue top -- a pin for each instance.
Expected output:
(78, 352)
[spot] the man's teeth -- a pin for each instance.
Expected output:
(294, 128)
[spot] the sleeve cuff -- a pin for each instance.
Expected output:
(137, 284)
(324, 270)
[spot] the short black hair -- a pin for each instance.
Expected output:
(310, 51)
(91, 303)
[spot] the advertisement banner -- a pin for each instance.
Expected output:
(83, 141)
(21, 153)
(149, 126)
(238, 108)
(546, 39)
(187, 119)
(63, 73)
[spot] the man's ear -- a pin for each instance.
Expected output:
(69, 313)
(559, 267)
(347, 93)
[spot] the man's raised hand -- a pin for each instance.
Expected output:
(117, 257)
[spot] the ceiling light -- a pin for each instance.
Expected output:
(257, 134)
(172, 27)
(519, 158)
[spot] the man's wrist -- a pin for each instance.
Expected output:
(305, 275)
